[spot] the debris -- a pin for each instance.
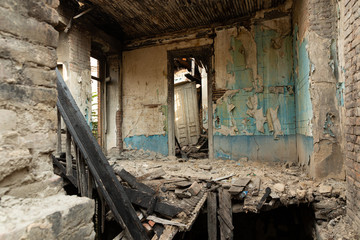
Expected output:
(263, 199)
(279, 187)
(241, 182)
(325, 190)
(222, 178)
(300, 194)
(182, 193)
(183, 184)
(205, 167)
(131, 180)
(255, 186)
(195, 188)
(147, 227)
(234, 190)
(152, 175)
(165, 221)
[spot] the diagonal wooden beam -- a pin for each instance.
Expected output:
(100, 169)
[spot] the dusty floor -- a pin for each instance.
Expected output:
(288, 183)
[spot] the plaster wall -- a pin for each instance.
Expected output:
(145, 95)
(255, 118)
(319, 91)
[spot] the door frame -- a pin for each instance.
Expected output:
(205, 54)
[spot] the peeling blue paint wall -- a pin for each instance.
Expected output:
(304, 112)
(155, 143)
(274, 66)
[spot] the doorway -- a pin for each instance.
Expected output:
(96, 109)
(190, 81)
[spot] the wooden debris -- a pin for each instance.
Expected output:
(241, 182)
(263, 199)
(165, 221)
(195, 188)
(222, 178)
(151, 207)
(131, 180)
(142, 199)
(182, 193)
(234, 190)
(211, 216)
(169, 233)
(152, 175)
(225, 215)
(255, 186)
(183, 184)
(196, 211)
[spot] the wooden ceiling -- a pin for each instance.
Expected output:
(134, 19)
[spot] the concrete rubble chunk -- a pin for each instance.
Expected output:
(325, 189)
(279, 187)
(300, 194)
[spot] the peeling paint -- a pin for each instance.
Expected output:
(329, 123)
(340, 90)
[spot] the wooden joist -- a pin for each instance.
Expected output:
(225, 215)
(211, 216)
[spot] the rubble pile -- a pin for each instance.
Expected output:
(252, 187)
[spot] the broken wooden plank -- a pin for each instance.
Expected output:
(241, 182)
(234, 190)
(165, 221)
(225, 215)
(183, 184)
(255, 186)
(152, 204)
(182, 193)
(263, 199)
(152, 175)
(211, 216)
(169, 233)
(57, 163)
(194, 189)
(142, 199)
(68, 154)
(196, 211)
(222, 178)
(131, 180)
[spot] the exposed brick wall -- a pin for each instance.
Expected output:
(352, 104)
(322, 17)
(28, 93)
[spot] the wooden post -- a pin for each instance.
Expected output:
(77, 158)
(211, 216)
(69, 170)
(225, 215)
(58, 133)
(82, 176)
(89, 184)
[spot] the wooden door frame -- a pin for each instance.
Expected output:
(205, 54)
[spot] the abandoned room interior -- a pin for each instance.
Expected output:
(180, 119)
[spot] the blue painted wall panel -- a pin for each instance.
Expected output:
(155, 143)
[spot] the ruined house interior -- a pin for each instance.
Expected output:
(180, 119)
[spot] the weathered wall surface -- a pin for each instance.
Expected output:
(350, 35)
(74, 53)
(145, 96)
(255, 118)
(28, 95)
(319, 104)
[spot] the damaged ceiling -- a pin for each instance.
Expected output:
(134, 19)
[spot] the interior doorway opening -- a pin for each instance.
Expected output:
(190, 78)
(191, 105)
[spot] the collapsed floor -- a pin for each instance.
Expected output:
(253, 187)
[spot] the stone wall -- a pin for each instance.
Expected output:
(32, 202)
(351, 27)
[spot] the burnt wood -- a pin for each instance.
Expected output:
(131, 180)
(211, 216)
(103, 174)
(263, 199)
(143, 199)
